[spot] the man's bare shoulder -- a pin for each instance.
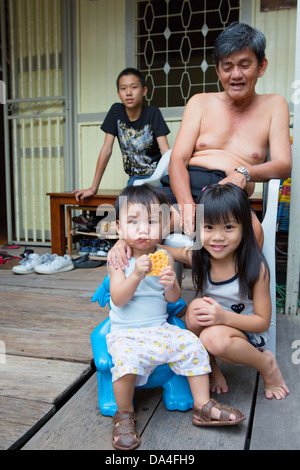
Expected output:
(203, 98)
(273, 99)
(275, 106)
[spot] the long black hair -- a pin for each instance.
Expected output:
(222, 202)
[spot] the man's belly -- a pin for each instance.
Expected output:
(217, 160)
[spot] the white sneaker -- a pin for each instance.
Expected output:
(55, 264)
(28, 263)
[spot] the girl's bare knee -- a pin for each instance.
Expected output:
(213, 340)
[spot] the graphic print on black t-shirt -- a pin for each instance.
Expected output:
(137, 139)
(134, 144)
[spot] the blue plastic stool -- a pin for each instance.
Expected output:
(176, 391)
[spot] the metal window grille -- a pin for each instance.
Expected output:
(174, 45)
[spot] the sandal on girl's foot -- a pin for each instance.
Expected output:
(125, 431)
(202, 416)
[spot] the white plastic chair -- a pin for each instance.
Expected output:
(161, 170)
(271, 191)
(270, 199)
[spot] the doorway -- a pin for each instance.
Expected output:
(37, 116)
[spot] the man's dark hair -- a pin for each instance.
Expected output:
(132, 71)
(237, 37)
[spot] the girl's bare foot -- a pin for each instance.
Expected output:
(273, 380)
(217, 381)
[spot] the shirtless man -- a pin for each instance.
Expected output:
(230, 131)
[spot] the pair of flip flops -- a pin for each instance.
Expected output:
(7, 261)
(85, 262)
(10, 246)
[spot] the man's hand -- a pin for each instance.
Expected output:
(188, 219)
(239, 180)
(235, 178)
(83, 193)
(119, 255)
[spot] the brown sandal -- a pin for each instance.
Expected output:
(124, 429)
(203, 415)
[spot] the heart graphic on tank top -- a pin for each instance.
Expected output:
(237, 308)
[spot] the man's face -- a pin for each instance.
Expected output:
(131, 91)
(239, 72)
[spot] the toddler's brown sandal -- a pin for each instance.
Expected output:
(202, 416)
(125, 431)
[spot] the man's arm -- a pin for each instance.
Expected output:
(104, 156)
(163, 144)
(181, 254)
(120, 253)
(280, 164)
(181, 154)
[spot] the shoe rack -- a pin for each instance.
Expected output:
(107, 229)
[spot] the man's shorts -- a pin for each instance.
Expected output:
(140, 350)
(199, 179)
(256, 340)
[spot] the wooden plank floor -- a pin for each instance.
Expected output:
(270, 424)
(283, 418)
(48, 389)
(45, 327)
(80, 425)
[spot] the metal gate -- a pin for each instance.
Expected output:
(37, 112)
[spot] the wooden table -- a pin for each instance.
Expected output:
(58, 202)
